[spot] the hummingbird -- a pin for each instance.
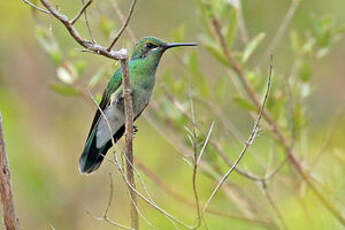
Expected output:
(142, 69)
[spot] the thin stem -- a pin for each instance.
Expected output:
(247, 143)
(88, 24)
(111, 194)
(125, 24)
(274, 126)
(95, 48)
(179, 197)
(36, 7)
(82, 10)
(194, 140)
(123, 19)
(8, 210)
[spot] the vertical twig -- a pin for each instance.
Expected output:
(123, 19)
(125, 24)
(88, 24)
(129, 140)
(248, 143)
(9, 213)
(194, 140)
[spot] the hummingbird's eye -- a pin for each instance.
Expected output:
(150, 45)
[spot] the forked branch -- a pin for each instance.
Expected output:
(82, 10)
(93, 47)
(248, 143)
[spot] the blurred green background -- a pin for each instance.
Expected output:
(45, 132)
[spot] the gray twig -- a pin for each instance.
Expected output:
(81, 11)
(96, 48)
(36, 7)
(248, 143)
(88, 24)
(123, 19)
(125, 24)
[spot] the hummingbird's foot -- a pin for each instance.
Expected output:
(135, 130)
(118, 99)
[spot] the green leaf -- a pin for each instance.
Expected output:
(56, 56)
(244, 103)
(215, 51)
(80, 66)
(305, 72)
(65, 90)
(49, 44)
(252, 45)
(98, 98)
(231, 28)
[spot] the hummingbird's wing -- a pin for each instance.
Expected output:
(114, 83)
(92, 155)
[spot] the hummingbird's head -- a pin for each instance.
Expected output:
(151, 46)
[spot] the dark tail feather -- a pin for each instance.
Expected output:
(92, 156)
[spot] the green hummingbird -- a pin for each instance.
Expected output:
(142, 68)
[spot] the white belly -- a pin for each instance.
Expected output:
(116, 117)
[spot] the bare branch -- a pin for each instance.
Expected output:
(36, 7)
(194, 142)
(205, 143)
(96, 48)
(246, 145)
(82, 10)
(129, 139)
(125, 24)
(8, 210)
(88, 25)
(123, 19)
(274, 126)
(179, 197)
(111, 193)
(125, 179)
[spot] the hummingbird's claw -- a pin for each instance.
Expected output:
(135, 130)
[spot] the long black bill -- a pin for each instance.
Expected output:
(171, 45)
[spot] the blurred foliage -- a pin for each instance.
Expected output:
(45, 132)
